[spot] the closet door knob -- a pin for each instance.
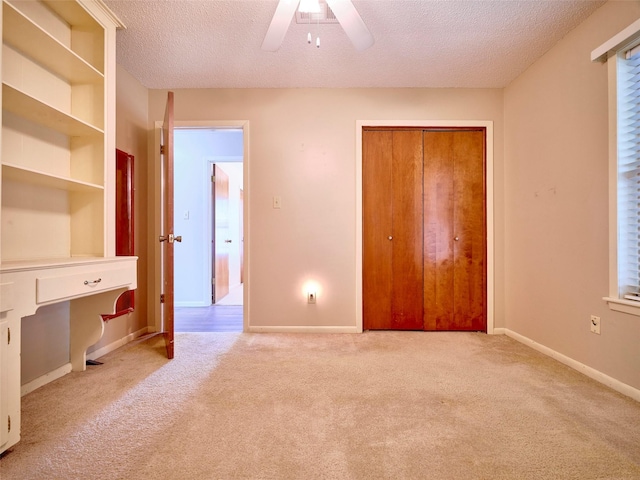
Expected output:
(457, 238)
(390, 237)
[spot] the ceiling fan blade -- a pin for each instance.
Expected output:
(352, 24)
(279, 24)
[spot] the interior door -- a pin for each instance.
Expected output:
(167, 235)
(455, 230)
(221, 239)
(392, 224)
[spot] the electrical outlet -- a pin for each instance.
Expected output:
(595, 324)
(311, 297)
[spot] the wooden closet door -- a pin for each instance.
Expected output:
(455, 226)
(377, 214)
(392, 230)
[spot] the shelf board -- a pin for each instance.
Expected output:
(24, 35)
(26, 106)
(72, 13)
(36, 177)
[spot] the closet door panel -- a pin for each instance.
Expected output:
(438, 235)
(469, 227)
(407, 265)
(455, 232)
(377, 226)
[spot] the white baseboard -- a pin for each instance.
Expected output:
(590, 372)
(299, 329)
(499, 331)
(63, 370)
(117, 344)
(44, 379)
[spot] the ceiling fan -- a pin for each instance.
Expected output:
(344, 11)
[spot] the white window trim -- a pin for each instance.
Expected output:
(610, 52)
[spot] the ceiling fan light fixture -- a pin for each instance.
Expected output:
(330, 11)
(309, 6)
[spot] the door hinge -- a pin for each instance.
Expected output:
(8, 336)
(161, 149)
(8, 423)
(213, 281)
(162, 298)
(213, 179)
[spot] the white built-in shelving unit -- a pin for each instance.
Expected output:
(57, 216)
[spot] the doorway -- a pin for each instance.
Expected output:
(209, 215)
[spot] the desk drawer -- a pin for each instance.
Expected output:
(84, 283)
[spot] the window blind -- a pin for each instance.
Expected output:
(629, 175)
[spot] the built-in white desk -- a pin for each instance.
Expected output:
(91, 285)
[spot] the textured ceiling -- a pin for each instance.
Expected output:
(429, 43)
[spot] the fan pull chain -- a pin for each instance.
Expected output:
(309, 38)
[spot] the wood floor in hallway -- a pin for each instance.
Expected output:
(215, 318)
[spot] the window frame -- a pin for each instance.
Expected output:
(612, 52)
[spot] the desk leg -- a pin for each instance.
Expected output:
(87, 325)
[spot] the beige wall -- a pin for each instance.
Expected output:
(302, 146)
(131, 137)
(556, 203)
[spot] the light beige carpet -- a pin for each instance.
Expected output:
(380, 405)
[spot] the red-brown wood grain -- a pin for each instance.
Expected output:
(424, 229)
(377, 227)
(455, 230)
(406, 260)
(392, 229)
(438, 235)
(124, 224)
(167, 246)
(469, 225)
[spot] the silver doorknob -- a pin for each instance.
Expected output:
(170, 238)
(457, 238)
(390, 237)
